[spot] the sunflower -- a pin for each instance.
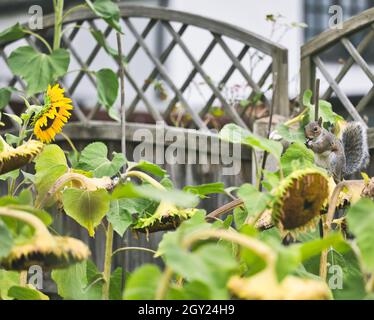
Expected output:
(54, 114)
(15, 158)
(44, 249)
(166, 217)
(299, 200)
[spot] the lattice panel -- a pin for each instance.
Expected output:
(225, 66)
(351, 73)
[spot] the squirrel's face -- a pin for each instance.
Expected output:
(312, 130)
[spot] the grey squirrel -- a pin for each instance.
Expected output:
(339, 157)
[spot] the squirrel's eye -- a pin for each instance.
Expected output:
(315, 129)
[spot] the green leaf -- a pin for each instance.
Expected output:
(107, 10)
(353, 282)
(235, 134)
(12, 33)
(6, 240)
(8, 279)
(194, 290)
(254, 200)
(38, 69)
(9, 175)
(142, 283)
(107, 87)
(325, 109)
(73, 283)
(25, 293)
(88, 208)
(101, 40)
(115, 287)
(94, 158)
(291, 135)
(147, 167)
(177, 197)
(360, 218)
(119, 215)
(49, 165)
(297, 156)
(5, 94)
(204, 189)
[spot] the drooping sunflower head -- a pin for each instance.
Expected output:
(55, 254)
(299, 200)
(166, 217)
(15, 158)
(54, 114)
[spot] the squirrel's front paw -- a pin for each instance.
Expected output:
(308, 143)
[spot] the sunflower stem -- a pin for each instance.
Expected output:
(39, 227)
(107, 261)
(40, 38)
(258, 247)
(59, 10)
(145, 177)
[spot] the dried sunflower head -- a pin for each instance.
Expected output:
(45, 250)
(14, 158)
(265, 286)
(52, 117)
(58, 252)
(166, 217)
(299, 199)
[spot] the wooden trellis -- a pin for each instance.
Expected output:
(175, 24)
(139, 22)
(312, 52)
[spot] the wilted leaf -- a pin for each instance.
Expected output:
(88, 208)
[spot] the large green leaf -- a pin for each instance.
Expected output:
(142, 283)
(26, 293)
(49, 165)
(235, 134)
(5, 94)
(88, 208)
(102, 41)
(38, 69)
(177, 197)
(12, 33)
(297, 156)
(203, 190)
(94, 158)
(107, 87)
(73, 283)
(8, 279)
(6, 240)
(291, 135)
(201, 264)
(360, 219)
(107, 10)
(325, 109)
(352, 283)
(254, 201)
(119, 215)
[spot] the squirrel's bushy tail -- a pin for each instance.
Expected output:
(356, 149)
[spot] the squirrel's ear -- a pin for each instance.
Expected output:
(320, 121)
